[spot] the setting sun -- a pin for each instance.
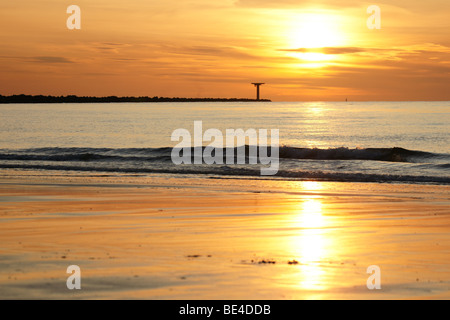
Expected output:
(313, 30)
(310, 32)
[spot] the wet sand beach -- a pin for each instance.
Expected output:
(190, 238)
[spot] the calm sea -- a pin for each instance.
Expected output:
(332, 141)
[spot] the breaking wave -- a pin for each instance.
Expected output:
(362, 165)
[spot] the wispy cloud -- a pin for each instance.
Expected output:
(49, 59)
(412, 6)
(212, 51)
(417, 50)
(296, 3)
(328, 50)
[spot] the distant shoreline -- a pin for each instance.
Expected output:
(22, 98)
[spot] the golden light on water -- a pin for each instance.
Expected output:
(314, 108)
(311, 217)
(312, 243)
(311, 185)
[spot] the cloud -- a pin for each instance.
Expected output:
(49, 59)
(435, 6)
(109, 47)
(296, 3)
(329, 50)
(221, 52)
(402, 52)
(419, 78)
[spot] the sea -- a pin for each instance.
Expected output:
(381, 142)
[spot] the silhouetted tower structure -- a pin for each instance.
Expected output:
(257, 85)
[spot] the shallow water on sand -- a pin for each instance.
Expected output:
(171, 239)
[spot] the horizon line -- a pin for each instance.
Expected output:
(190, 98)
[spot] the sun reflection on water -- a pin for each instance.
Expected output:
(312, 244)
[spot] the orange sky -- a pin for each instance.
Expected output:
(303, 50)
